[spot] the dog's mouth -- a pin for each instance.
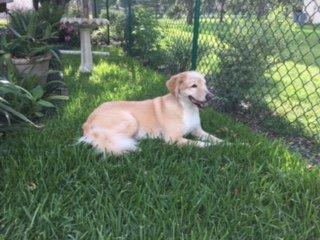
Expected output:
(199, 104)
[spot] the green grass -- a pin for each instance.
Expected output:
(51, 189)
(3, 23)
(294, 95)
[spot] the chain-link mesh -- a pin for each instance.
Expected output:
(262, 57)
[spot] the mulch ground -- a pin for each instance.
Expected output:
(308, 148)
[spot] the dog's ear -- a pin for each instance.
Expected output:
(173, 84)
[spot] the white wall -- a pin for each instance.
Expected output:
(312, 8)
(20, 5)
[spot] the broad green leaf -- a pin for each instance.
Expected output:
(37, 92)
(56, 82)
(45, 104)
(58, 97)
(17, 114)
(39, 114)
(55, 55)
(15, 32)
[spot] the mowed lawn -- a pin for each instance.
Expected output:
(290, 88)
(3, 24)
(53, 189)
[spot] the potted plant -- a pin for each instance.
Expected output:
(24, 99)
(29, 44)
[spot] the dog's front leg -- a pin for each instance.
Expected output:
(186, 142)
(206, 136)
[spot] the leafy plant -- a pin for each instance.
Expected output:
(179, 56)
(242, 65)
(99, 36)
(146, 32)
(24, 99)
(240, 70)
(117, 20)
(175, 11)
(69, 34)
(176, 55)
(6, 110)
(51, 13)
(30, 36)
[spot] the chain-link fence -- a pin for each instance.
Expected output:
(261, 57)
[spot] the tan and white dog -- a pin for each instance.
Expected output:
(115, 127)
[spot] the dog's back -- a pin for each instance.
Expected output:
(115, 126)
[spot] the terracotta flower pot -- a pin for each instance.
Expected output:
(38, 66)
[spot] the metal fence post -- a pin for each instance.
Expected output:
(195, 40)
(108, 26)
(95, 11)
(129, 29)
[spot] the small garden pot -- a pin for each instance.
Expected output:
(38, 66)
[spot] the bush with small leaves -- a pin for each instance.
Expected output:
(243, 61)
(117, 20)
(146, 32)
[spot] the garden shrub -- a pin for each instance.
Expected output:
(172, 56)
(100, 36)
(179, 56)
(29, 35)
(7, 112)
(175, 55)
(146, 32)
(26, 96)
(51, 13)
(69, 35)
(117, 20)
(240, 67)
(243, 61)
(175, 11)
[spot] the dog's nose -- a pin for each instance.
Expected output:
(209, 96)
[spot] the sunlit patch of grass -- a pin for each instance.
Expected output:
(3, 23)
(295, 93)
(52, 189)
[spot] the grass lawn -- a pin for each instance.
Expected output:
(292, 90)
(3, 24)
(51, 189)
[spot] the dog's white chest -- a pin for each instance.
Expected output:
(191, 120)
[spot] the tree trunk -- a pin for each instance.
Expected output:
(222, 5)
(190, 16)
(35, 4)
(261, 9)
(85, 8)
(190, 8)
(62, 3)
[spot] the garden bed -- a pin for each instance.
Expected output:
(52, 188)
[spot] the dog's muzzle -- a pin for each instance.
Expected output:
(201, 104)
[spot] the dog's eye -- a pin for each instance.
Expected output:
(194, 86)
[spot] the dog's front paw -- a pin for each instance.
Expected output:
(214, 140)
(220, 141)
(204, 144)
(226, 143)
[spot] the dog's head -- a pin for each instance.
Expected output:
(190, 86)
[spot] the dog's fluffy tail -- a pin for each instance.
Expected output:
(106, 141)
